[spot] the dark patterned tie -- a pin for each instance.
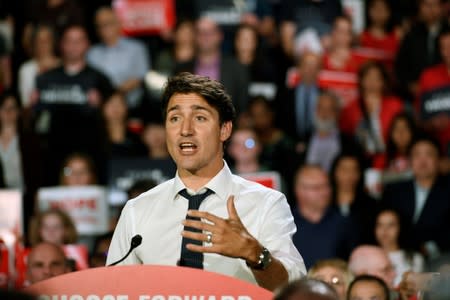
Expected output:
(190, 258)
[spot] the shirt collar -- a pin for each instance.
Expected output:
(219, 184)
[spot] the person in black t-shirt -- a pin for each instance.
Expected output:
(67, 105)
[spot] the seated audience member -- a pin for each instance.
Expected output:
(124, 60)
(434, 86)
(423, 201)
(326, 140)
(349, 196)
(181, 50)
(402, 133)
(277, 151)
(372, 260)
(368, 287)
(334, 272)
(46, 260)
(43, 59)
(211, 62)
(244, 149)
(369, 117)
(122, 141)
(419, 47)
(67, 108)
(389, 236)
(249, 53)
(78, 169)
(339, 55)
(52, 226)
(380, 32)
(154, 139)
(296, 105)
(20, 157)
(100, 252)
(325, 233)
(307, 289)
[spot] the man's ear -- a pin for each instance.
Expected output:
(225, 131)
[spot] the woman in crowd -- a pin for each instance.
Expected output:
(183, 48)
(349, 195)
(19, 152)
(78, 170)
(249, 53)
(369, 117)
(121, 141)
(334, 272)
(154, 139)
(402, 132)
(245, 149)
(339, 55)
(43, 59)
(388, 235)
(53, 226)
(380, 32)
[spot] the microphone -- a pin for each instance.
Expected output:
(135, 241)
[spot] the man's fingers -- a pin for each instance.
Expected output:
(199, 225)
(205, 215)
(198, 236)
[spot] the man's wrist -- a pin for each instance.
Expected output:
(259, 259)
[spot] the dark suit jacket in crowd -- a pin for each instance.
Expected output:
(233, 76)
(433, 223)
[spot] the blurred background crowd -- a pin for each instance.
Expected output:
(347, 102)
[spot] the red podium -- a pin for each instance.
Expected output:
(145, 282)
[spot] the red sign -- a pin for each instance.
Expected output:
(145, 282)
(4, 266)
(269, 179)
(141, 17)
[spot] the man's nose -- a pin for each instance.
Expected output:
(186, 127)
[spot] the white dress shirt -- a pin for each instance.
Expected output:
(157, 215)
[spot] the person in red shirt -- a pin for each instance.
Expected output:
(380, 33)
(369, 116)
(339, 55)
(435, 82)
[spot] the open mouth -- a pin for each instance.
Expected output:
(188, 147)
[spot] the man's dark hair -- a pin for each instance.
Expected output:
(212, 91)
(426, 138)
(307, 289)
(369, 278)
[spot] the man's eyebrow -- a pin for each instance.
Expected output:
(193, 107)
(175, 107)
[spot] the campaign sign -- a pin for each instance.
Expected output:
(435, 102)
(145, 282)
(140, 17)
(10, 214)
(86, 205)
(270, 179)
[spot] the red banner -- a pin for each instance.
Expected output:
(142, 17)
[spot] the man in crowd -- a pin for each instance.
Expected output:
(423, 201)
(125, 61)
(67, 102)
(307, 289)
(45, 261)
(419, 48)
(434, 89)
(372, 260)
(326, 141)
(324, 232)
(296, 105)
(210, 61)
(246, 230)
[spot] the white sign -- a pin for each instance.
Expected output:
(11, 211)
(86, 205)
(355, 9)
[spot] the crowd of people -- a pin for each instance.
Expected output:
(69, 106)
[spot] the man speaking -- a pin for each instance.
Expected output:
(206, 217)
